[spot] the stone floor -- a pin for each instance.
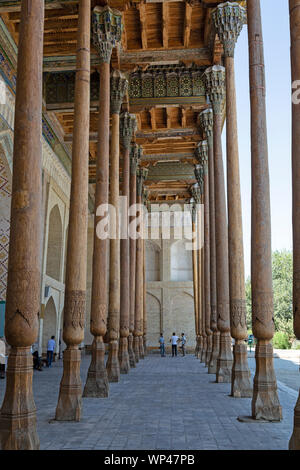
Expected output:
(165, 403)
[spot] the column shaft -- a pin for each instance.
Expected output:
(195, 281)
(112, 365)
(212, 366)
(224, 362)
(295, 63)
(69, 400)
(125, 274)
(265, 403)
(97, 380)
(144, 300)
(132, 358)
(207, 268)
(240, 383)
(138, 287)
(18, 412)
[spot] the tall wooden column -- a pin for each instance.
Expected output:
(206, 122)
(228, 19)
(145, 200)
(295, 63)
(265, 403)
(215, 88)
(199, 175)
(139, 291)
(69, 400)
(127, 128)
(135, 154)
(195, 270)
(202, 157)
(118, 88)
(200, 232)
(105, 35)
(18, 412)
(197, 194)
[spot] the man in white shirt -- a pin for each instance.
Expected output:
(50, 350)
(174, 341)
(2, 359)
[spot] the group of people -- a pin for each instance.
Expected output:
(174, 341)
(37, 360)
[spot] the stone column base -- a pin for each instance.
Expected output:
(212, 366)
(204, 349)
(18, 412)
(124, 356)
(130, 351)
(112, 365)
(265, 402)
(69, 400)
(141, 347)
(294, 443)
(200, 346)
(97, 385)
(136, 348)
(208, 351)
(224, 362)
(241, 386)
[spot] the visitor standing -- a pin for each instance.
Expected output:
(2, 358)
(50, 350)
(174, 341)
(162, 345)
(183, 342)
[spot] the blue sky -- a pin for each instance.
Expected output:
(278, 83)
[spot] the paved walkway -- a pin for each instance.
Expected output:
(165, 403)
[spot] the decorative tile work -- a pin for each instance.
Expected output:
(5, 195)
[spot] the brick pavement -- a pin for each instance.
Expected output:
(165, 403)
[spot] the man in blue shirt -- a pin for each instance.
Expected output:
(50, 350)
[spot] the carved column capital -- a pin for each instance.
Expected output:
(106, 30)
(135, 157)
(141, 175)
(118, 88)
(206, 120)
(196, 193)
(193, 207)
(199, 175)
(214, 78)
(228, 19)
(127, 128)
(201, 154)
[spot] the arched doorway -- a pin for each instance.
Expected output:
(49, 323)
(55, 240)
(153, 320)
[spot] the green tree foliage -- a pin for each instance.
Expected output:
(282, 273)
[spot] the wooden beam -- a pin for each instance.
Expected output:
(187, 24)
(143, 24)
(165, 23)
(183, 117)
(153, 118)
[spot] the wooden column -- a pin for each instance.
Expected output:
(127, 128)
(18, 412)
(138, 327)
(195, 270)
(202, 157)
(196, 193)
(206, 122)
(199, 175)
(265, 403)
(69, 400)
(228, 20)
(118, 88)
(135, 154)
(215, 87)
(104, 38)
(145, 198)
(295, 63)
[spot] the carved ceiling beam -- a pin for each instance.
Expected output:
(143, 24)
(153, 119)
(187, 24)
(165, 23)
